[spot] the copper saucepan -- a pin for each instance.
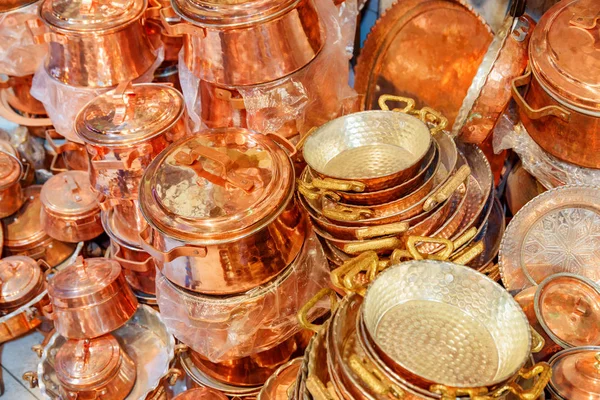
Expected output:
(11, 193)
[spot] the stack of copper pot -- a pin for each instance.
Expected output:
(240, 67)
(376, 178)
(236, 255)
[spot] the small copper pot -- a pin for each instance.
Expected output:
(91, 43)
(24, 235)
(11, 193)
(124, 130)
(94, 369)
(70, 209)
(89, 299)
(20, 99)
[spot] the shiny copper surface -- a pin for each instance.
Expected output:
(89, 299)
(11, 193)
(521, 188)
(200, 393)
(232, 45)
(426, 50)
(281, 382)
(10, 5)
(94, 59)
(221, 106)
(158, 35)
(20, 99)
(22, 280)
(22, 320)
(139, 267)
(575, 374)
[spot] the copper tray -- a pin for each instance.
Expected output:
(428, 50)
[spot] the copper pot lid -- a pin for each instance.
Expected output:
(279, 384)
(231, 13)
(558, 231)
(85, 364)
(83, 278)
(69, 193)
(201, 393)
(565, 52)
(576, 373)
(568, 308)
(23, 227)
(20, 276)
(129, 114)
(11, 5)
(10, 170)
(124, 223)
(217, 185)
(441, 44)
(92, 16)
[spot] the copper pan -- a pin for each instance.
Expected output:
(20, 99)
(12, 172)
(254, 370)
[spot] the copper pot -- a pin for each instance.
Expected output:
(11, 193)
(248, 42)
(124, 130)
(575, 374)
(221, 106)
(23, 294)
(221, 213)
(68, 156)
(24, 235)
(89, 298)
(94, 369)
(561, 109)
(20, 99)
(70, 209)
(159, 36)
(91, 43)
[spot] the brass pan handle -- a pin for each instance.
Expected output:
(374, 379)
(532, 113)
(161, 256)
(136, 266)
(344, 276)
(318, 390)
(384, 98)
(303, 312)
(338, 185)
(383, 244)
(537, 341)
(32, 378)
(370, 232)
(343, 213)
(447, 189)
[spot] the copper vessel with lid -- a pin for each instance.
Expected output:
(561, 109)
(93, 43)
(247, 42)
(21, 280)
(89, 299)
(24, 235)
(94, 369)
(576, 374)
(124, 130)
(11, 193)
(70, 209)
(221, 213)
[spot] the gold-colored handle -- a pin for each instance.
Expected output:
(383, 244)
(32, 378)
(136, 266)
(38, 349)
(465, 237)
(374, 379)
(442, 255)
(532, 113)
(537, 341)
(434, 119)
(343, 213)
(338, 185)
(384, 98)
(303, 313)
(344, 277)
(173, 375)
(447, 189)
(120, 98)
(285, 144)
(225, 95)
(162, 256)
(318, 390)
(370, 232)
(467, 255)
(308, 191)
(449, 393)
(179, 29)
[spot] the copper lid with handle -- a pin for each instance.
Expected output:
(90, 16)
(10, 170)
(565, 53)
(218, 185)
(21, 279)
(132, 113)
(576, 374)
(23, 227)
(69, 193)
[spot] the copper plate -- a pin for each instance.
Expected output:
(558, 231)
(426, 50)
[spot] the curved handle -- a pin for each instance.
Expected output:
(542, 370)
(467, 255)
(48, 312)
(343, 213)
(383, 244)
(537, 341)
(532, 113)
(173, 375)
(434, 119)
(284, 144)
(384, 98)
(303, 312)
(307, 191)
(161, 256)
(318, 390)
(344, 277)
(181, 28)
(32, 378)
(442, 255)
(370, 232)
(135, 266)
(338, 185)
(447, 189)
(374, 379)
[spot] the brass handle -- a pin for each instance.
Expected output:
(306, 191)
(447, 189)
(384, 244)
(465, 237)
(318, 390)
(182, 28)
(226, 95)
(162, 256)
(537, 341)
(338, 185)
(532, 113)
(173, 375)
(136, 266)
(382, 230)
(344, 276)
(32, 378)
(303, 313)
(467, 255)
(434, 119)
(120, 97)
(384, 98)
(444, 254)
(38, 349)
(374, 379)
(48, 312)
(343, 213)
(284, 144)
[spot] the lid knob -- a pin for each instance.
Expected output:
(73, 187)
(587, 24)
(121, 99)
(82, 353)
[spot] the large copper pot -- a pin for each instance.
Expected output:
(89, 298)
(124, 130)
(561, 109)
(221, 213)
(95, 44)
(11, 193)
(246, 42)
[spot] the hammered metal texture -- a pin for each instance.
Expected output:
(366, 145)
(446, 324)
(558, 231)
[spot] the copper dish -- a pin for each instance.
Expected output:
(255, 369)
(11, 193)
(24, 235)
(23, 294)
(555, 232)
(490, 91)
(87, 41)
(575, 374)
(442, 44)
(89, 299)
(144, 338)
(201, 393)
(94, 368)
(279, 384)
(70, 209)
(222, 328)
(124, 130)
(561, 109)
(215, 196)
(245, 42)
(495, 226)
